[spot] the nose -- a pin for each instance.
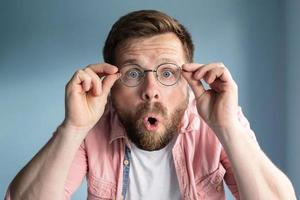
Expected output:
(150, 89)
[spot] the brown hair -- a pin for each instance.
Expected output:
(145, 23)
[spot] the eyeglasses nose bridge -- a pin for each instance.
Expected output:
(148, 70)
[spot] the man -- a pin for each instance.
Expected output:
(136, 131)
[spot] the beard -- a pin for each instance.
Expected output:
(133, 123)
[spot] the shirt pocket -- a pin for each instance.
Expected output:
(100, 189)
(211, 186)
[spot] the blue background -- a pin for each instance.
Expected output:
(42, 43)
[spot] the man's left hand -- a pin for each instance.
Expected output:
(218, 106)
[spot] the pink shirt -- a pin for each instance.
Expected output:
(201, 163)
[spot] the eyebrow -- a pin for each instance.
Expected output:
(168, 60)
(135, 61)
(130, 61)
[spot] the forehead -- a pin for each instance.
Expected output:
(158, 49)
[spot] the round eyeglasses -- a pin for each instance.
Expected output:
(133, 75)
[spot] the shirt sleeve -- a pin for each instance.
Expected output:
(229, 176)
(75, 176)
(77, 172)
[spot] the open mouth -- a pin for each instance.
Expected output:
(151, 122)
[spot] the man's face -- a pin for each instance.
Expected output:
(151, 112)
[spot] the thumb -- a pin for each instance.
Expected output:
(108, 82)
(195, 84)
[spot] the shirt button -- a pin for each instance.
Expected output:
(217, 179)
(219, 188)
(126, 162)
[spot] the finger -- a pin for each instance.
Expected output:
(191, 67)
(103, 68)
(108, 82)
(82, 79)
(226, 76)
(213, 74)
(214, 71)
(221, 73)
(195, 84)
(218, 85)
(201, 72)
(96, 82)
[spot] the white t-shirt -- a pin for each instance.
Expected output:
(152, 175)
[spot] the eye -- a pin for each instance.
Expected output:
(167, 73)
(133, 73)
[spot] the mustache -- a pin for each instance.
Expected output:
(156, 108)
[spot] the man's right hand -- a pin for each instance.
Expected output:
(86, 96)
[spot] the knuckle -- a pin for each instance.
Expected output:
(89, 66)
(88, 70)
(78, 72)
(67, 86)
(234, 86)
(88, 78)
(224, 70)
(221, 64)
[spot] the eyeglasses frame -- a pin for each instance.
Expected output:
(152, 70)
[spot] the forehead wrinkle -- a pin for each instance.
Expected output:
(140, 51)
(160, 54)
(152, 49)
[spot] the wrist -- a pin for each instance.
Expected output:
(230, 132)
(72, 132)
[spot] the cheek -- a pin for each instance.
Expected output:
(181, 91)
(177, 97)
(124, 97)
